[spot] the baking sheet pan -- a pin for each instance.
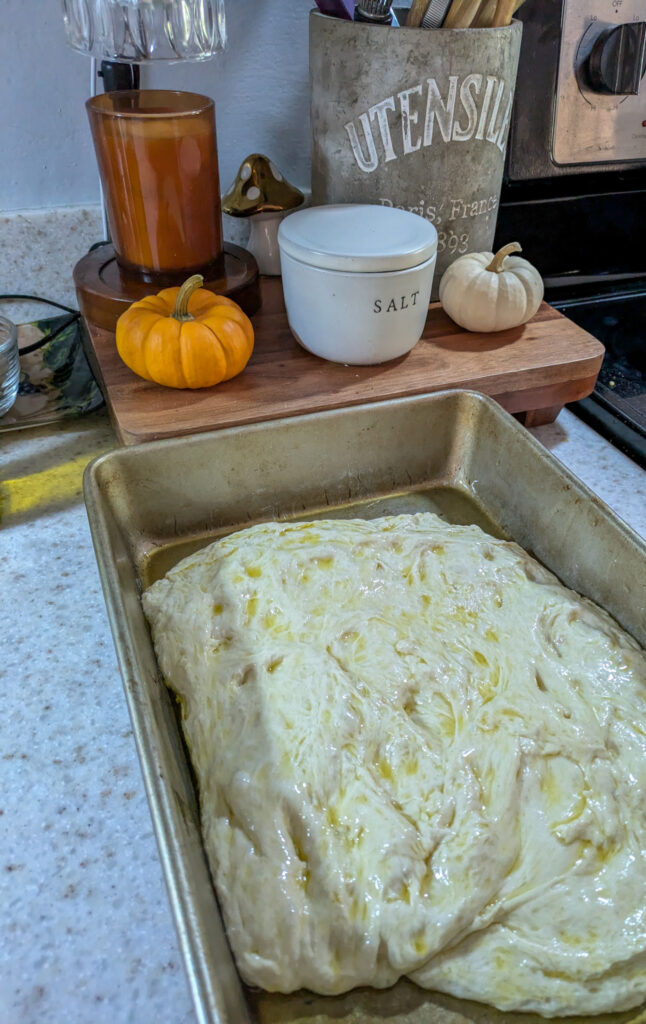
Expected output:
(455, 453)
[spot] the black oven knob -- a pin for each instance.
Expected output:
(617, 61)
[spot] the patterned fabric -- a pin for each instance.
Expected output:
(55, 380)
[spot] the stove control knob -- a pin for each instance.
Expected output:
(617, 61)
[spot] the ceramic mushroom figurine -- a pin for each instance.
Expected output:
(261, 193)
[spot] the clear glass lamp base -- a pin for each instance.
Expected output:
(145, 30)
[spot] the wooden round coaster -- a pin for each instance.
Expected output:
(105, 289)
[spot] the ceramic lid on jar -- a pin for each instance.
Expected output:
(358, 238)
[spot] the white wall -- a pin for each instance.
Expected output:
(260, 85)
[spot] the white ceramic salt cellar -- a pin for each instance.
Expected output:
(357, 280)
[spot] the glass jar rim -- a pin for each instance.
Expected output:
(191, 104)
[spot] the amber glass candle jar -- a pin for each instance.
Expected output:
(158, 162)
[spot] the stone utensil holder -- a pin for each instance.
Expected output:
(414, 118)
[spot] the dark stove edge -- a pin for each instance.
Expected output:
(589, 184)
(587, 235)
(612, 427)
(567, 290)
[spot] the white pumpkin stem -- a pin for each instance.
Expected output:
(191, 285)
(496, 264)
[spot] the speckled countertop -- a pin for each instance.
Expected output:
(87, 934)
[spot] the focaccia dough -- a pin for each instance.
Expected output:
(418, 754)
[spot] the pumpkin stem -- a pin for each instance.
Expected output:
(496, 264)
(191, 285)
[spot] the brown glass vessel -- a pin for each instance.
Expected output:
(157, 156)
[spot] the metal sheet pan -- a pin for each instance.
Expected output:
(456, 453)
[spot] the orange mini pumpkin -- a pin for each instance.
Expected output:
(185, 337)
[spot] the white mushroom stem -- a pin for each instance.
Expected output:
(263, 241)
(496, 265)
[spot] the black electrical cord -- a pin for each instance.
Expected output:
(52, 334)
(50, 337)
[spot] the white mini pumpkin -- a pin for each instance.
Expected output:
(483, 292)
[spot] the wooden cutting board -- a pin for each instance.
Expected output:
(531, 370)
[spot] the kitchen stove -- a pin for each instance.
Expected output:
(575, 188)
(588, 250)
(617, 408)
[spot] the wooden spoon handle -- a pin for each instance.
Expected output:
(485, 15)
(453, 13)
(465, 12)
(504, 13)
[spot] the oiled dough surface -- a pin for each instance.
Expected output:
(418, 754)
